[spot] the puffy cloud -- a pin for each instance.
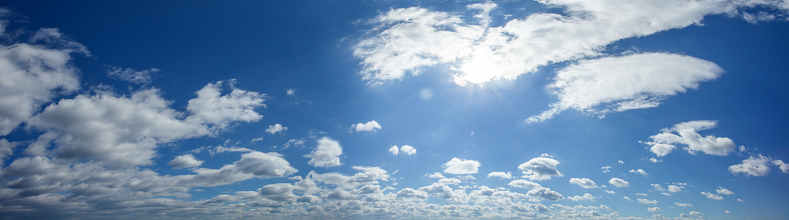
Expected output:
(695, 213)
(131, 75)
(606, 169)
(540, 168)
(369, 126)
(408, 150)
(543, 193)
(461, 166)
(251, 165)
(365, 176)
(583, 182)
(124, 131)
(655, 160)
(619, 182)
(674, 188)
(38, 74)
(712, 196)
(653, 209)
(435, 175)
(724, 191)
(326, 154)
(639, 171)
(646, 201)
(185, 161)
(636, 81)
(753, 166)
(683, 204)
(394, 150)
(276, 128)
(411, 193)
(525, 184)
(687, 134)
(610, 192)
(502, 175)
(586, 196)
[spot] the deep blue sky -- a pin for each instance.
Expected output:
(517, 109)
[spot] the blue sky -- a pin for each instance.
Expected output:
(586, 109)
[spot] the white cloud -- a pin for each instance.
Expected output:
(683, 204)
(461, 166)
(369, 126)
(540, 168)
(610, 192)
(502, 175)
(687, 134)
(525, 184)
(408, 150)
(185, 161)
(326, 154)
(586, 196)
(724, 191)
(606, 169)
(639, 171)
(435, 175)
(712, 196)
(646, 201)
(394, 150)
(615, 84)
(674, 189)
(727, 212)
(654, 209)
(253, 164)
(405, 40)
(290, 92)
(583, 182)
(543, 193)
(655, 160)
(124, 131)
(131, 75)
(276, 128)
(38, 75)
(619, 182)
(695, 213)
(753, 166)
(366, 176)
(781, 165)
(6, 149)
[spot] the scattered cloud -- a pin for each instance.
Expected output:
(683, 204)
(501, 175)
(583, 182)
(654, 160)
(408, 150)
(606, 169)
(639, 171)
(753, 166)
(276, 128)
(687, 134)
(543, 193)
(326, 154)
(540, 168)
(394, 150)
(784, 167)
(524, 184)
(131, 75)
(646, 201)
(185, 161)
(461, 166)
(712, 196)
(653, 209)
(369, 126)
(619, 182)
(586, 196)
(724, 191)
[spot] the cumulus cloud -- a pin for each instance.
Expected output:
(543, 193)
(712, 196)
(683, 204)
(461, 166)
(124, 131)
(639, 171)
(687, 134)
(674, 188)
(615, 84)
(276, 128)
(365, 176)
(7, 148)
(525, 184)
(619, 182)
(408, 150)
(784, 167)
(394, 150)
(724, 191)
(326, 154)
(753, 166)
(185, 161)
(540, 168)
(583, 182)
(501, 175)
(38, 73)
(586, 196)
(646, 201)
(606, 169)
(369, 126)
(253, 164)
(131, 75)
(653, 209)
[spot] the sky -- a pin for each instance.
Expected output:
(547, 109)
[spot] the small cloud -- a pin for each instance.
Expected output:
(619, 182)
(724, 191)
(654, 209)
(502, 175)
(185, 161)
(606, 169)
(639, 171)
(130, 75)
(290, 92)
(326, 154)
(712, 196)
(540, 168)
(276, 128)
(394, 150)
(654, 160)
(408, 150)
(583, 182)
(369, 126)
(461, 166)
(646, 201)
